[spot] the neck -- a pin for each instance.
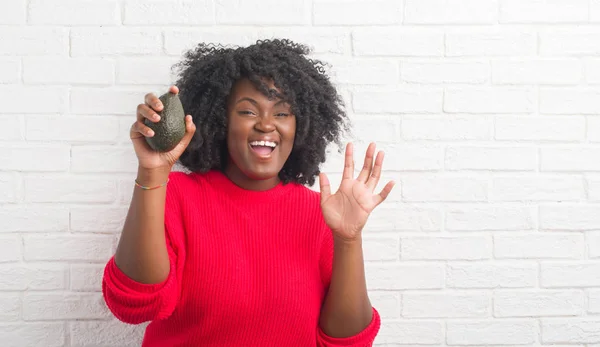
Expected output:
(245, 182)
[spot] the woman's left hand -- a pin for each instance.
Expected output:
(346, 212)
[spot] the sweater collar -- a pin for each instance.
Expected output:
(220, 181)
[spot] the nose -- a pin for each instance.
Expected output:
(265, 123)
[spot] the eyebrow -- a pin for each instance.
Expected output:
(254, 102)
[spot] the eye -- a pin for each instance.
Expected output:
(282, 114)
(246, 112)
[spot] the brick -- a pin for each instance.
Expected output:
(451, 12)
(574, 101)
(491, 158)
(570, 330)
(68, 248)
(103, 159)
(74, 12)
(178, 41)
(593, 242)
(116, 41)
(446, 305)
(412, 332)
(64, 306)
(569, 42)
(536, 187)
(33, 218)
(593, 129)
(413, 158)
(489, 218)
(269, 12)
(13, 12)
(569, 217)
(388, 303)
(594, 10)
(10, 307)
(10, 249)
(537, 71)
(386, 128)
(591, 68)
(541, 11)
(98, 219)
(594, 301)
(538, 303)
(152, 71)
(363, 71)
(327, 40)
(405, 218)
(446, 127)
(35, 157)
(593, 186)
(107, 101)
(496, 100)
(532, 246)
(105, 333)
(446, 248)
(492, 275)
(9, 187)
(398, 100)
(33, 41)
(570, 158)
(11, 128)
(33, 334)
(570, 275)
(438, 72)
(125, 191)
(164, 12)
(17, 99)
(72, 128)
(20, 277)
(381, 248)
(68, 71)
(491, 42)
(86, 277)
(400, 277)
(487, 332)
(10, 70)
(547, 128)
(357, 12)
(406, 42)
(427, 188)
(53, 188)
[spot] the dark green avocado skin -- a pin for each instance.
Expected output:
(169, 131)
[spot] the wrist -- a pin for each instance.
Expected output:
(152, 177)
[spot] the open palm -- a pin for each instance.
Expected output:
(346, 212)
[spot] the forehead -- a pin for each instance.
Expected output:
(245, 88)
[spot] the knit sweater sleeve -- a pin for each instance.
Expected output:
(134, 302)
(362, 339)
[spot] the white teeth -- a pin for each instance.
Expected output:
(263, 143)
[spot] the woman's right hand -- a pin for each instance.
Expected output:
(149, 159)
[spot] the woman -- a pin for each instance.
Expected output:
(238, 251)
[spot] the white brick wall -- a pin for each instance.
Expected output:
(487, 109)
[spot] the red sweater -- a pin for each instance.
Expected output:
(248, 268)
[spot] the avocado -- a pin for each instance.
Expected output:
(169, 131)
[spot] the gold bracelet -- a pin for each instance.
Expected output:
(150, 188)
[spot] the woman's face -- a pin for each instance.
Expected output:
(260, 136)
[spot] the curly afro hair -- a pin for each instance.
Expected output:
(207, 74)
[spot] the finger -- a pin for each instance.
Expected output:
(368, 165)
(348, 162)
(325, 186)
(174, 89)
(140, 128)
(144, 111)
(379, 198)
(373, 180)
(153, 101)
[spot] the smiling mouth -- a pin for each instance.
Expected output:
(263, 148)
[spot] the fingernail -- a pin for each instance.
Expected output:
(156, 117)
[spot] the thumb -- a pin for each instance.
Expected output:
(190, 129)
(324, 186)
